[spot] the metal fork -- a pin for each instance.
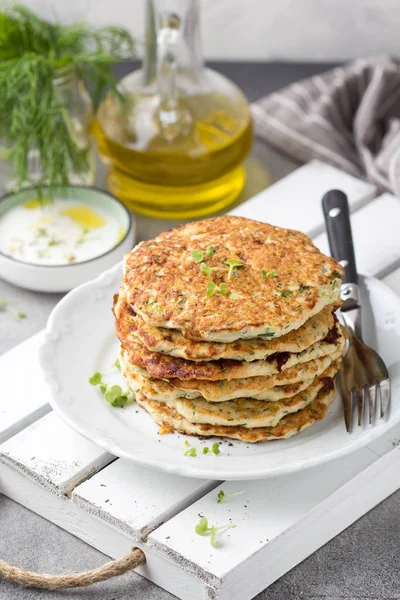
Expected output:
(364, 378)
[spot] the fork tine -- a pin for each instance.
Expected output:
(372, 402)
(359, 399)
(385, 396)
(365, 401)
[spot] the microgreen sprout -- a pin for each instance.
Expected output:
(117, 364)
(222, 496)
(53, 242)
(186, 443)
(113, 394)
(5, 306)
(336, 274)
(233, 263)
(205, 269)
(211, 289)
(222, 289)
(215, 448)
(82, 237)
(190, 452)
(286, 294)
(96, 378)
(198, 255)
(202, 528)
(265, 274)
(210, 251)
(206, 450)
(42, 232)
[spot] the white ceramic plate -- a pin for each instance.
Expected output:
(80, 340)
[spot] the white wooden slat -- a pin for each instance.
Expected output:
(98, 533)
(268, 511)
(393, 281)
(294, 202)
(24, 399)
(376, 236)
(51, 453)
(136, 500)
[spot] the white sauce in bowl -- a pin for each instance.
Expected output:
(61, 232)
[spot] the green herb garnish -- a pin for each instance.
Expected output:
(233, 263)
(82, 237)
(210, 251)
(206, 450)
(113, 394)
(117, 364)
(198, 255)
(5, 306)
(222, 496)
(33, 54)
(336, 274)
(53, 242)
(266, 274)
(222, 289)
(42, 232)
(211, 288)
(190, 452)
(215, 448)
(202, 528)
(286, 293)
(303, 288)
(96, 378)
(205, 269)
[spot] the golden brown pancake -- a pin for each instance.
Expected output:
(162, 366)
(169, 419)
(270, 388)
(131, 327)
(279, 281)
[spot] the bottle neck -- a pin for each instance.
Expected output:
(172, 39)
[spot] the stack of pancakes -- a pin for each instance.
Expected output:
(227, 328)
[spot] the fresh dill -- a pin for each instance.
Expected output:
(34, 53)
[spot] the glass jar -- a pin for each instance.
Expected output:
(78, 118)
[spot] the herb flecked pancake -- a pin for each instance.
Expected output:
(270, 388)
(247, 412)
(229, 278)
(170, 420)
(132, 328)
(162, 366)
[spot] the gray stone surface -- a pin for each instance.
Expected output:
(362, 563)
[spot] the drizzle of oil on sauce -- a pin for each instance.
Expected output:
(59, 232)
(37, 203)
(121, 235)
(84, 216)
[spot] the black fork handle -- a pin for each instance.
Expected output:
(337, 220)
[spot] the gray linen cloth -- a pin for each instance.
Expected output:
(348, 117)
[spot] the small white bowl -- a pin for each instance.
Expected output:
(62, 278)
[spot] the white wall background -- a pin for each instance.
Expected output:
(263, 29)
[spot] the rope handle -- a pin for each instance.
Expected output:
(111, 569)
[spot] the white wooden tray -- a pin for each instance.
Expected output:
(114, 505)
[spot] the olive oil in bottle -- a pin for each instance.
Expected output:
(176, 145)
